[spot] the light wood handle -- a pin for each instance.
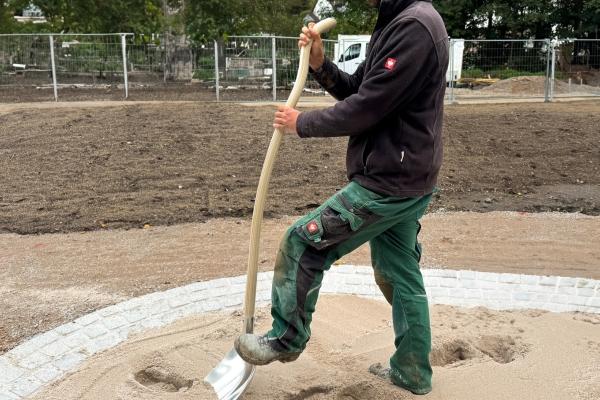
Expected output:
(265, 176)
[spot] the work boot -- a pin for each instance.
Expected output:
(260, 350)
(380, 371)
(386, 373)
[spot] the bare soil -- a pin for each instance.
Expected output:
(116, 92)
(80, 169)
(536, 85)
(50, 279)
(68, 170)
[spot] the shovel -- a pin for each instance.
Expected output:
(232, 376)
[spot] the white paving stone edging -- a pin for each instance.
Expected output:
(50, 355)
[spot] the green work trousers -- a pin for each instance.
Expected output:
(350, 218)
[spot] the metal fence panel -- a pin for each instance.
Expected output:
(288, 58)
(576, 68)
(501, 69)
(251, 68)
(259, 67)
(24, 60)
(78, 61)
(146, 62)
(88, 60)
(25, 63)
(246, 68)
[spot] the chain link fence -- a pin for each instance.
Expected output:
(251, 68)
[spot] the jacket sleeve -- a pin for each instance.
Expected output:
(400, 68)
(338, 83)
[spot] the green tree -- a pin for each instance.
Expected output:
(210, 19)
(6, 17)
(591, 20)
(518, 20)
(85, 16)
(577, 18)
(459, 17)
(354, 17)
(497, 19)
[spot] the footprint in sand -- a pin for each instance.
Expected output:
(501, 349)
(372, 390)
(452, 352)
(159, 380)
(590, 319)
(594, 346)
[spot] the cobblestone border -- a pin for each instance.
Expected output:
(50, 355)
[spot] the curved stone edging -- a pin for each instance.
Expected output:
(48, 356)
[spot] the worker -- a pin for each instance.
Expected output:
(391, 109)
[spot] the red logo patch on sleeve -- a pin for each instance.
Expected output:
(390, 64)
(312, 227)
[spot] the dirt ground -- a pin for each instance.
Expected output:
(80, 169)
(51, 279)
(536, 85)
(156, 166)
(116, 92)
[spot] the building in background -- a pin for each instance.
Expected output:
(31, 14)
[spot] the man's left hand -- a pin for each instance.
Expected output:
(285, 119)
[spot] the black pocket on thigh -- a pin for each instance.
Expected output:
(335, 224)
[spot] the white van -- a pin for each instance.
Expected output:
(351, 50)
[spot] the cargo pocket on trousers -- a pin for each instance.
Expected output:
(335, 224)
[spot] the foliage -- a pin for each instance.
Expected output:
(206, 20)
(6, 17)
(99, 16)
(353, 17)
(503, 19)
(210, 19)
(577, 18)
(204, 74)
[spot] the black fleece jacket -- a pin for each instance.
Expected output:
(392, 106)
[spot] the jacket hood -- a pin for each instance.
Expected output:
(389, 9)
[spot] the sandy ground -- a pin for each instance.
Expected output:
(176, 169)
(477, 354)
(52, 279)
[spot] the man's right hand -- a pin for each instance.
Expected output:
(317, 54)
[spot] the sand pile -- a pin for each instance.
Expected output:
(478, 354)
(535, 85)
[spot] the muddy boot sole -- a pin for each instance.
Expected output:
(385, 373)
(250, 358)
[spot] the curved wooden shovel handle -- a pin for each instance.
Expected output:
(265, 176)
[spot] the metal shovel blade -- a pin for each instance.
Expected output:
(231, 377)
